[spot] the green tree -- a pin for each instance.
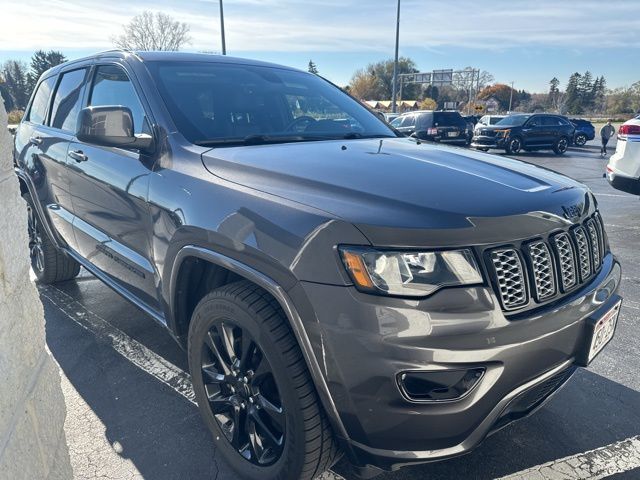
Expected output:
(572, 100)
(14, 79)
(312, 68)
(554, 93)
(42, 61)
(585, 87)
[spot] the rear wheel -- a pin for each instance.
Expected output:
(253, 388)
(580, 139)
(561, 146)
(514, 145)
(49, 264)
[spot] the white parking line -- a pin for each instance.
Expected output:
(615, 458)
(599, 463)
(132, 350)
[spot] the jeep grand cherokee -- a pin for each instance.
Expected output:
(338, 289)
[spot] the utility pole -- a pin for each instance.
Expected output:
(224, 44)
(395, 62)
(510, 97)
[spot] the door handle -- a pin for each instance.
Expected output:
(35, 140)
(78, 156)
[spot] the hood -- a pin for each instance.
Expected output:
(396, 182)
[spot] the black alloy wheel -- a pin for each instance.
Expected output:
(514, 145)
(36, 251)
(580, 140)
(242, 393)
(561, 146)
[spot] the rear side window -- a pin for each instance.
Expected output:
(111, 86)
(408, 121)
(425, 120)
(67, 100)
(38, 110)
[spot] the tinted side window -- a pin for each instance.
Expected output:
(68, 100)
(535, 122)
(408, 121)
(425, 120)
(448, 119)
(38, 110)
(111, 86)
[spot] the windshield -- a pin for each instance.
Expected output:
(223, 104)
(495, 120)
(513, 120)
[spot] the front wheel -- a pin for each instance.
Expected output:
(514, 145)
(561, 146)
(580, 140)
(253, 388)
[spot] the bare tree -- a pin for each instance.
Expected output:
(153, 31)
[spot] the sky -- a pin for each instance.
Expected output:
(524, 41)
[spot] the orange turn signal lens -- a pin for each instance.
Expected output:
(357, 269)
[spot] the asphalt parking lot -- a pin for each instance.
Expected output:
(131, 415)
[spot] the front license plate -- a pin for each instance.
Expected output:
(603, 330)
(452, 134)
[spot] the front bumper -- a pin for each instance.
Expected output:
(366, 341)
(480, 141)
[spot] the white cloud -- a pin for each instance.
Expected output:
(332, 25)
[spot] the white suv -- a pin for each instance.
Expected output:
(623, 170)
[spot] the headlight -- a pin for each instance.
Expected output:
(411, 274)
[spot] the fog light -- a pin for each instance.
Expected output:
(439, 385)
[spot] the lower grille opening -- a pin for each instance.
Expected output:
(440, 385)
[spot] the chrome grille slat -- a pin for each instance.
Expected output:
(595, 242)
(584, 260)
(559, 264)
(566, 261)
(543, 275)
(510, 276)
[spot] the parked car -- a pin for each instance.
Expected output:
(435, 126)
(338, 289)
(539, 131)
(487, 120)
(390, 117)
(623, 170)
(585, 131)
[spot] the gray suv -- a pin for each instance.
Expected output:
(338, 289)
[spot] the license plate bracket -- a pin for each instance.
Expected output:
(600, 326)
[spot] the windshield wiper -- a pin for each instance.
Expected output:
(358, 135)
(257, 139)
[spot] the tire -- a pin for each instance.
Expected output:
(561, 145)
(49, 264)
(580, 140)
(235, 386)
(514, 145)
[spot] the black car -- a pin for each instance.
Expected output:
(338, 288)
(585, 131)
(434, 126)
(540, 131)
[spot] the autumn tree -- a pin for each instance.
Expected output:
(502, 93)
(375, 81)
(428, 104)
(153, 32)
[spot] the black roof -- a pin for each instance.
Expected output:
(167, 57)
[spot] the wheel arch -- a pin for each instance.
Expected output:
(188, 258)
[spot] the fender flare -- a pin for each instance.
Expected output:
(281, 296)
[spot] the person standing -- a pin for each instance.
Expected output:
(606, 132)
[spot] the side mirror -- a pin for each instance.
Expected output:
(111, 126)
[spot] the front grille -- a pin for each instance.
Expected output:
(542, 267)
(550, 267)
(510, 276)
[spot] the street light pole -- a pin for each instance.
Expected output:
(511, 97)
(395, 63)
(224, 44)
